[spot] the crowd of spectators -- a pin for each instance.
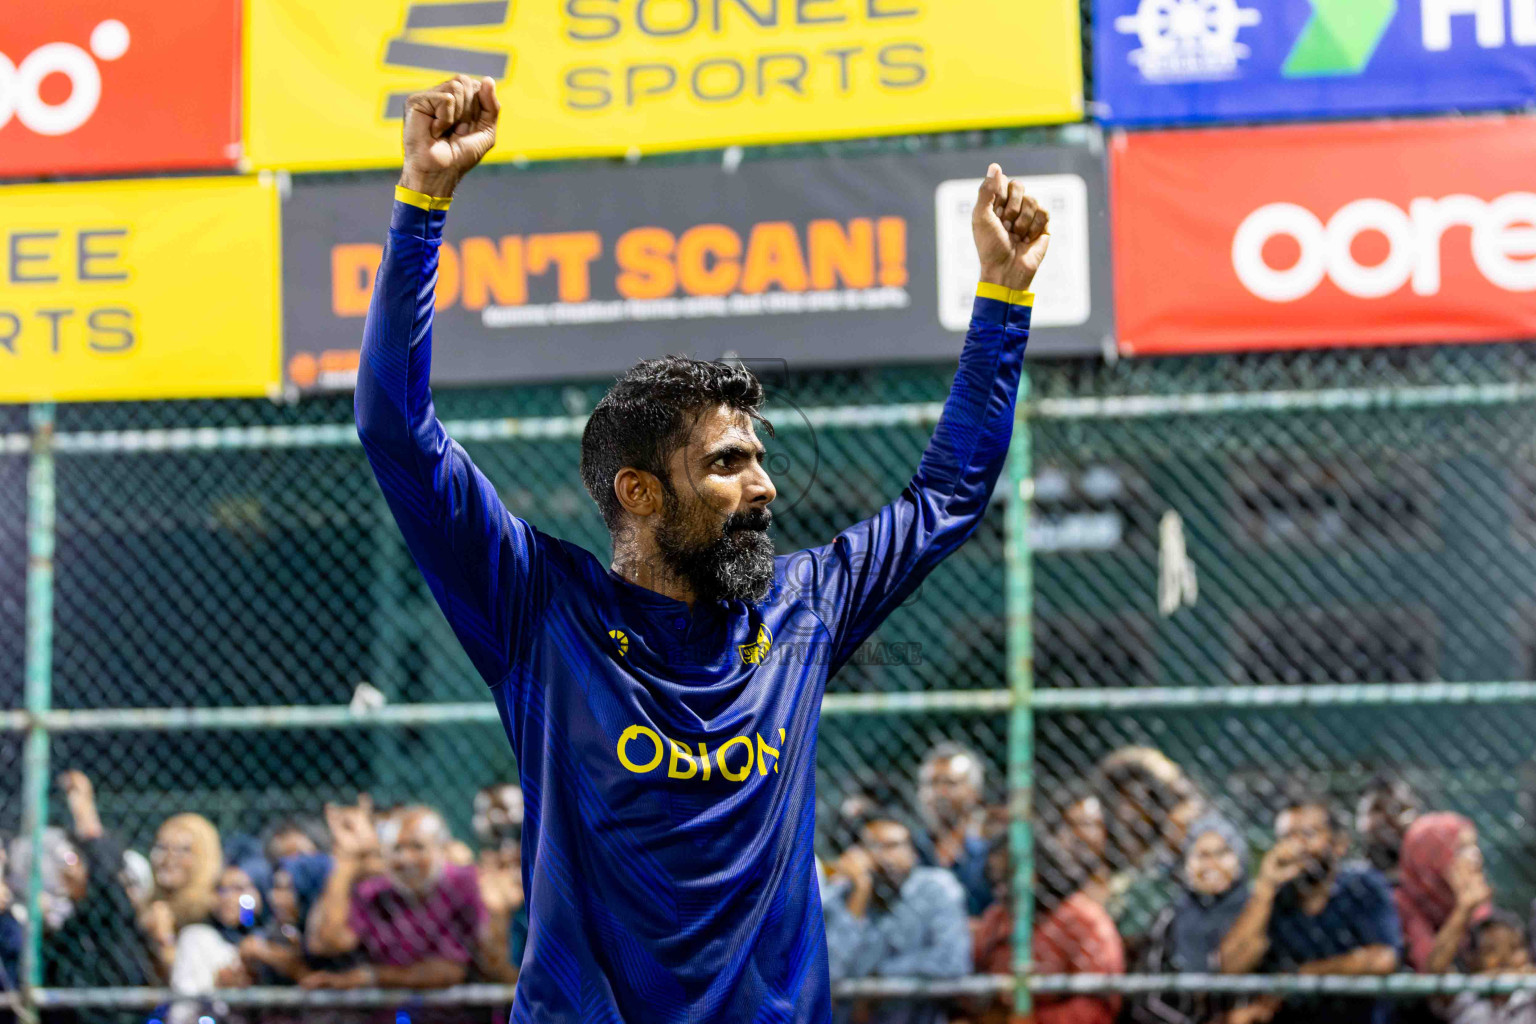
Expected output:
(367, 897)
(1135, 870)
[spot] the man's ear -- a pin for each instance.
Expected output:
(639, 492)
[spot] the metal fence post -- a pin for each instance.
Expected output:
(39, 687)
(1021, 683)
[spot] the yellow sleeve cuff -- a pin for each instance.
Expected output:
(1012, 296)
(421, 200)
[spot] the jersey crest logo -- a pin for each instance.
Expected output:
(754, 652)
(621, 640)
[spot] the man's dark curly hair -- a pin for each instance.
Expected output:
(1298, 794)
(648, 414)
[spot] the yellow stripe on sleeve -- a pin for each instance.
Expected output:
(1012, 296)
(421, 200)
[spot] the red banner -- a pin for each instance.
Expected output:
(1324, 235)
(95, 86)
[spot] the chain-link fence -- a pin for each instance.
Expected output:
(1282, 605)
(238, 633)
(1240, 576)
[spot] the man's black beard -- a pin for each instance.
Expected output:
(1318, 870)
(1314, 873)
(1383, 853)
(737, 565)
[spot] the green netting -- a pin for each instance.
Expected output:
(200, 565)
(1361, 519)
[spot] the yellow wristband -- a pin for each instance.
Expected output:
(1012, 296)
(421, 200)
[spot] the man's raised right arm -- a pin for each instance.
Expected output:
(479, 560)
(1243, 948)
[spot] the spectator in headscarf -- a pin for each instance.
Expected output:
(99, 943)
(1387, 806)
(1441, 890)
(293, 837)
(275, 955)
(278, 955)
(1187, 936)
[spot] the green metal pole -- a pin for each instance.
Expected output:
(1021, 683)
(39, 687)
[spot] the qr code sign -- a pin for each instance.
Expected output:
(1062, 296)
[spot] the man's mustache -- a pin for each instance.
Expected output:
(759, 519)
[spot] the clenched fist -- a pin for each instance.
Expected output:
(448, 129)
(1011, 231)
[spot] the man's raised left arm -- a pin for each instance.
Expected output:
(870, 568)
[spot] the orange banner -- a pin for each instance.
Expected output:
(119, 85)
(1322, 235)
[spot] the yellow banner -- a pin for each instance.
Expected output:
(139, 289)
(326, 81)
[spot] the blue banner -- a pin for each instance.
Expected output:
(1164, 61)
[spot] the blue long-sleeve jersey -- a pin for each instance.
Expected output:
(667, 755)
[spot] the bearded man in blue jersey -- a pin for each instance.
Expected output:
(667, 758)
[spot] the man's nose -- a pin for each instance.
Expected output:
(760, 489)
